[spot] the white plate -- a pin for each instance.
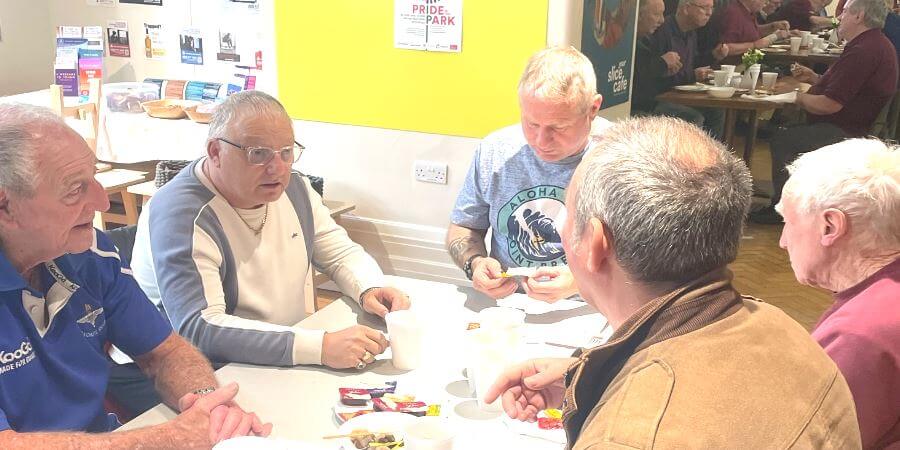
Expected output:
(774, 50)
(393, 422)
(258, 443)
(691, 88)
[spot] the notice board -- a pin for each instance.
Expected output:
(337, 64)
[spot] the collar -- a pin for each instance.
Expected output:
(888, 270)
(699, 303)
(10, 278)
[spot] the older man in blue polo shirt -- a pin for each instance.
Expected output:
(64, 295)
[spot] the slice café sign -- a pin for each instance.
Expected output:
(432, 25)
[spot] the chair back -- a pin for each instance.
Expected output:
(83, 117)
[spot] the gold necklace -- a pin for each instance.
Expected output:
(256, 231)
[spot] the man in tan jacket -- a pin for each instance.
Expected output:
(655, 216)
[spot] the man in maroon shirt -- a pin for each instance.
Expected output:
(741, 32)
(841, 208)
(842, 103)
(802, 14)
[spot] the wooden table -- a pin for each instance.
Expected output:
(732, 106)
(804, 56)
(299, 400)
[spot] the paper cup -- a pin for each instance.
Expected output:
(805, 38)
(730, 68)
(501, 317)
(489, 352)
(406, 333)
(429, 433)
(795, 44)
(720, 77)
(768, 80)
(736, 81)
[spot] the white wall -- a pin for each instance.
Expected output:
(26, 46)
(401, 222)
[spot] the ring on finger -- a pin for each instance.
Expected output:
(368, 357)
(361, 365)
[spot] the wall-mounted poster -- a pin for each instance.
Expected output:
(432, 25)
(191, 43)
(227, 46)
(153, 41)
(117, 38)
(607, 39)
(143, 2)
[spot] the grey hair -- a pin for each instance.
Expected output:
(875, 11)
(21, 128)
(860, 177)
(560, 74)
(672, 198)
(245, 102)
(681, 2)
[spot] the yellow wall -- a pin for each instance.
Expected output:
(337, 63)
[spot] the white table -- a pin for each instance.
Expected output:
(299, 400)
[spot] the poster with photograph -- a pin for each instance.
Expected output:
(191, 44)
(117, 39)
(143, 2)
(607, 39)
(154, 47)
(227, 46)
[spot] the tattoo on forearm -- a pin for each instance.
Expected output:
(460, 248)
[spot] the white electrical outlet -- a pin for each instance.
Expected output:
(430, 172)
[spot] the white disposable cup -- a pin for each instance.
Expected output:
(501, 317)
(730, 68)
(428, 433)
(769, 79)
(406, 333)
(805, 38)
(490, 352)
(720, 77)
(754, 76)
(818, 43)
(736, 81)
(795, 44)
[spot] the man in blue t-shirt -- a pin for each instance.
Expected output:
(65, 296)
(517, 182)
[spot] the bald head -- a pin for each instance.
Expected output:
(672, 198)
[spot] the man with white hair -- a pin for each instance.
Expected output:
(227, 249)
(841, 210)
(65, 295)
(842, 103)
(517, 181)
(655, 216)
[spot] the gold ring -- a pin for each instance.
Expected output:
(361, 365)
(368, 357)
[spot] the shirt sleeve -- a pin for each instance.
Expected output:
(194, 296)
(134, 324)
(471, 209)
(872, 375)
(337, 256)
(846, 78)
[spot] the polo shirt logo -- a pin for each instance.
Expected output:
(12, 360)
(90, 315)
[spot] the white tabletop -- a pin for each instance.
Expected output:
(299, 400)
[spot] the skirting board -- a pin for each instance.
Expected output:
(405, 249)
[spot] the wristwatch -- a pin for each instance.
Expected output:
(467, 267)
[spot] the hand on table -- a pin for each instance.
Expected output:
(348, 347)
(702, 73)
(673, 62)
(382, 300)
(720, 52)
(530, 387)
(781, 25)
(803, 74)
(487, 280)
(206, 420)
(782, 33)
(550, 284)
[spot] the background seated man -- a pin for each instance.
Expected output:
(802, 14)
(841, 210)
(657, 209)
(65, 295)
(227, 249)
(516, 183)
(741, 32)
(678, 35)
(845, 101)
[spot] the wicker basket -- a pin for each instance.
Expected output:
(166, 170)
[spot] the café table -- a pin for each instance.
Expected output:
(299, 400)
(780, 55)
(732, 106)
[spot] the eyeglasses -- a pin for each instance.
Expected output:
(260, 156)
(708, 9)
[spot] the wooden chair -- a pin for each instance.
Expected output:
(85, 119)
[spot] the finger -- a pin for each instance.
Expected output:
(216, 417)
(546, 271)
(505, 290)
(187, 400)
(509, 402)
(258, 428)
(373, 305)
(542, 380)
(230, 424)
(218, 397)
(243, 429)
(400, 302)
(378, 339)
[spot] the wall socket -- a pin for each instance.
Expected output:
(430, 172)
